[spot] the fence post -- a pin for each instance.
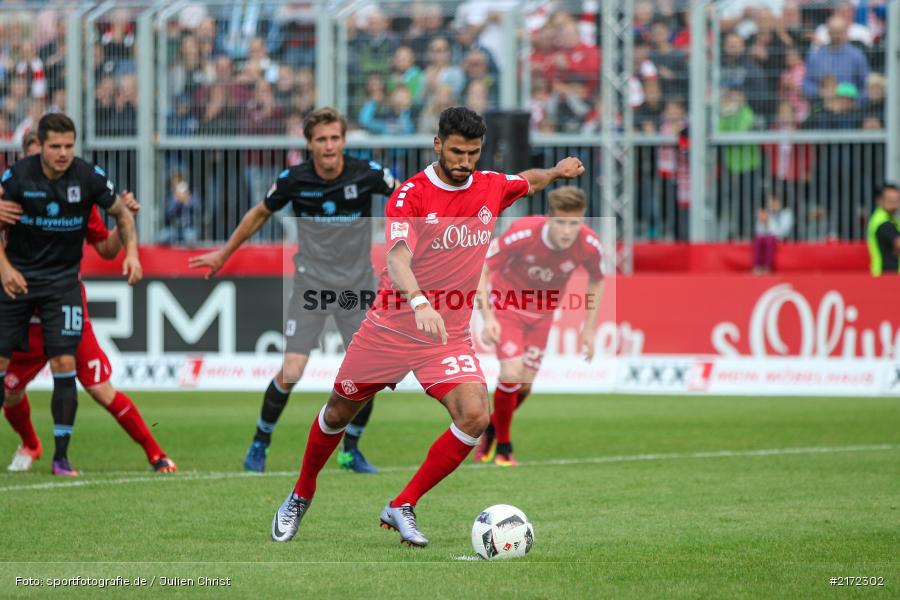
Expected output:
(74, 73)
(509, 21)
(146, 148)
(699, 147)
(325, 56)
(892, 106)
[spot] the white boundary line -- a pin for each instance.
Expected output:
(213, 475)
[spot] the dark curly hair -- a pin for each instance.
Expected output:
(461, 121)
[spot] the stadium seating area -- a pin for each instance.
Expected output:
(235, 71)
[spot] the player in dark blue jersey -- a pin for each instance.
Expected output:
(41, 262)
(332, 196)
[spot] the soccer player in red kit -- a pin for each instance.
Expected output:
(536, 254)
(439, 225)
(92, 364)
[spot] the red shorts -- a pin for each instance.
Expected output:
(523, 336)
(91, 362)
(378, 358)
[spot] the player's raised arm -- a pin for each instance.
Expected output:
(428, 320)
(538, 179)
(255, 218)
(131, 266)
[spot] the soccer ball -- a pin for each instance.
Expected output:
(502, 531)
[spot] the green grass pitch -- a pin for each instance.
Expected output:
(631, 497)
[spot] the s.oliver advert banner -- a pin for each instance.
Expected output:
(727, 334)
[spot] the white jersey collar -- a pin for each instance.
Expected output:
(438, 182)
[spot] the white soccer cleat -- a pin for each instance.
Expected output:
(24, 458)
(403, 520)
(286, 521)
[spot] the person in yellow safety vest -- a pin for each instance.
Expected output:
(883, 233)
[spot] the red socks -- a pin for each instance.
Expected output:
(19, 417)
(445, 455)
(319, 447)
(129, 418)
(506, 400)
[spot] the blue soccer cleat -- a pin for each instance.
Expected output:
(256, 457)
(353, 460)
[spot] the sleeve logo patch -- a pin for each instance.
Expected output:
(399, 230)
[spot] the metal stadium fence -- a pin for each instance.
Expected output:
(716, 106)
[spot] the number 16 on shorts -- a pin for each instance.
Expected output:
(73, 320)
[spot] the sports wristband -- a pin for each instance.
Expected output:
(418, 301)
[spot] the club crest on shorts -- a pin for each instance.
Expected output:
(510, 348)
(349, 387)
(290, 328)
(485, 215)
(74, 194)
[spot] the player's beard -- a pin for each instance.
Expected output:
(457, 177)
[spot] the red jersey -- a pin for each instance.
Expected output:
(523, 258)
(447, 229)
(96, 228)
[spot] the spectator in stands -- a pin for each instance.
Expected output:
(569, 105)
(406, 73)
(477, 69)
(181, 219)
(440, 71)
(838, 111)
(53, 53)
(671, 63)
(768, 47)
(262, 116)
(856, 33)
(303, 100)
(883, 233)
(427, 25)
(741, 178)
(840, 59)
(790, 164)
(443, 98)
(648, 115)
(574, 59)
(105, 106)
(540, 96)
(773, 225)
(124, 118)
(480, 19)
(382, 116)
(791, 85)
(217, 117)
(373, 46)
(36, 109)
(673, 167)
(284, 86)
(478, 97)
(875, 86)
(644, 13)
(31, 67)
(182, 120)
(187, 74)
(15, 103)
(117, 44)
(740, 72)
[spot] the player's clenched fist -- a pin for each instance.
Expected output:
(569, 168)
(211, 260)
(430, 322)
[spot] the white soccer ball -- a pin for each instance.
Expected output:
(502, 531)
